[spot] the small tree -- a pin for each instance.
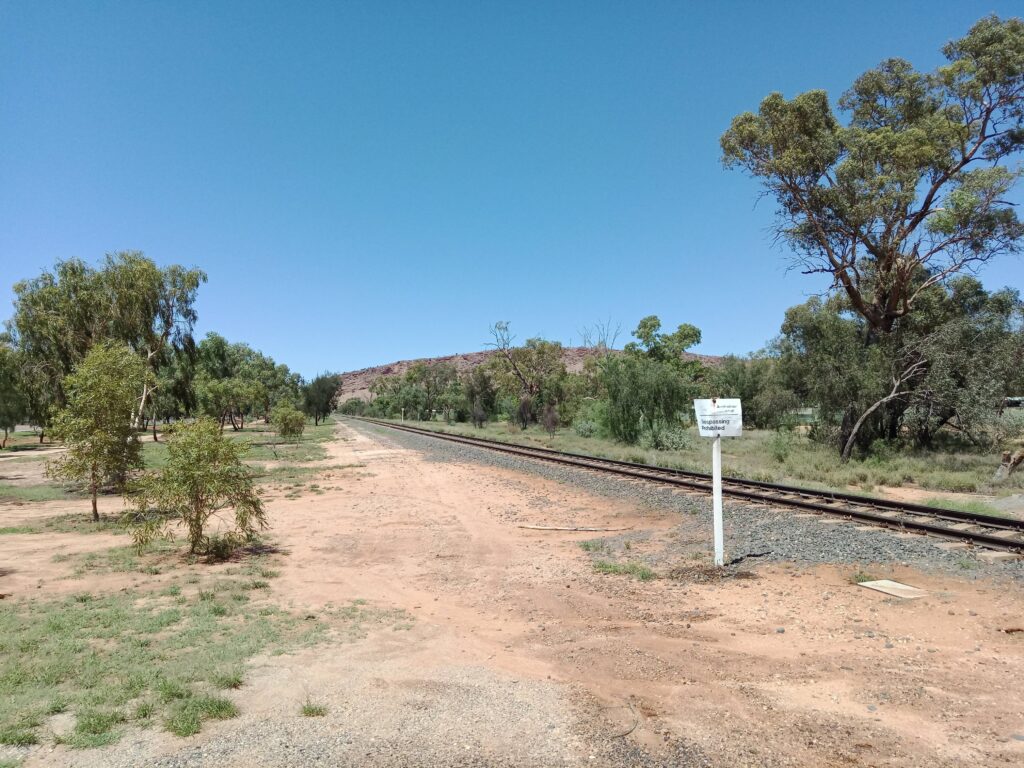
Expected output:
(290, 422)
(321, 396)
(204, 476)
(96, 426)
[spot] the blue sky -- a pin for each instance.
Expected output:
(372, 181)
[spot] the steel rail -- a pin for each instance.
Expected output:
(985, 530)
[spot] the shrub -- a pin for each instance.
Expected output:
(584, 427)
(204, 475)
(780, 444)
(665, 439)
(289, 420)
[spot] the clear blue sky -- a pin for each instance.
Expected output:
(372, 181)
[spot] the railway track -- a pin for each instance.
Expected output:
(979, 530)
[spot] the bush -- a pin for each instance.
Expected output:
(204, 475)
(780, 444)
(584, 427)
(665, 439)
(289, 420)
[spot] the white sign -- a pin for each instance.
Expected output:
(719, 417)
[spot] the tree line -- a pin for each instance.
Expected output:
(130, 302)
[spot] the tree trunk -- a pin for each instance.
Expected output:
(1008, 465)
(155, 438)
(41, 433)
(94, 487)
(4, 443)
(848, 448)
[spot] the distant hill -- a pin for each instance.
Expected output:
(357, 383)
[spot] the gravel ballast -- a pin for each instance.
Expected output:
(768, 534)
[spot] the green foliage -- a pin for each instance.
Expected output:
(649, 387)
(233, 381)
(585, 427)
(13, 404)
(663, 347)
(533, 375)
(758, 381)
(320, 397)
(290, 421)
(96, 426)
(204, 475)
(60, 315)
(309, 709)
(354, 406)
(914, 189)
(947, 367)
(781, 445)
(644, 396)
(670, 438)
(480, 394)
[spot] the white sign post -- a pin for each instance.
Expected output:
(718, 418)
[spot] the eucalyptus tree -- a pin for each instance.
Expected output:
(534, 372)
(61, 314)
(913, 188)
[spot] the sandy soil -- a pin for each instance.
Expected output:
(793, 666)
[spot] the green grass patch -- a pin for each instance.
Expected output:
(636, 570)
(187, 716)
(969, 506)
(67, 524)
(111, 659)
(861, 576)
(30, 493)
(593, 545)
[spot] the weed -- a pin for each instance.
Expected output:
(187, 717)
(229, 679)
(171, 690)
(17, 737)
(636, 570)
(309, 709)
(861, 576)
(593, 545)
(12, 529)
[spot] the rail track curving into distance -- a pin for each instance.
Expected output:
(980, 530)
